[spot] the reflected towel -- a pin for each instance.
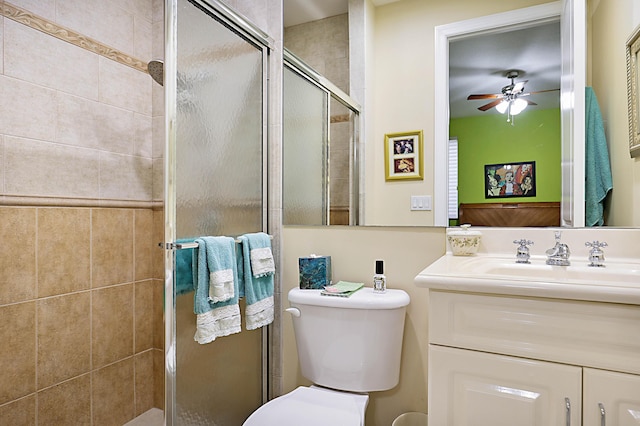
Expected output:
(184, 272)
(598, 181)
(257, 280)
(214, 319)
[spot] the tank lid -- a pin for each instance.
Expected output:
(364, 298)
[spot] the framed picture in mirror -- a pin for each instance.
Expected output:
(510, 180)
(403, 156)
(633, 50)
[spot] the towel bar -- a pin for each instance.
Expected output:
(182, 246)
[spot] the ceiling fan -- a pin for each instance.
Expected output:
(510, 100)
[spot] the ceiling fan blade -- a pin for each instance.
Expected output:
(485, 96)
(490, 105)
(543, 91)
(530, 102)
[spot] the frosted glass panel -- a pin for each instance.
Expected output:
(219, 191)
(219, 128)
(305, 152)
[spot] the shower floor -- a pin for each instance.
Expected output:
(153, 417)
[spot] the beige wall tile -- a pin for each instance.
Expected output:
(19, 413)
(28, 110)
(125, 87)
(63, 338)
(158, 10)
(142, 136)
(158, 179)
(144, 244)
(43, 168)
(144, 318)
(1, 160)
(2, 45)
(111, 246)
(17, 267)
(125, 177)
(18, 351)
(91, 124)
(100, 20)
(158, 136)
(158, 236)
(142, 38)
(158, 314)
(113, 394)
(144, 382)
(42, 8)
(158, 378)
(64, 250)
(112, 324)
(138, 8)
(38, 58)
(157, 41)
(68, 403)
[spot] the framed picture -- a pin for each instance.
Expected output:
(403, 156)
(510, 180)
(633, 52)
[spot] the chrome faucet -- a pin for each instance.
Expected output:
(522, 254)
(559, 254)
(596, 255)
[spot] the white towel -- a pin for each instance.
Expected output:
(221, 285)
(262, 262)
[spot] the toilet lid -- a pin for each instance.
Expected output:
(311, 406)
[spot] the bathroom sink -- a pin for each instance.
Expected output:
(617, 282)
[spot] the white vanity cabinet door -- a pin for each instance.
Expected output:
(619, 394)
(469, 388)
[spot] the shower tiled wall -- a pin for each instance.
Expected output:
(80, 183)
(82, 315)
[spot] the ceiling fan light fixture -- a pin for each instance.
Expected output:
(517, 106)
(502, 107)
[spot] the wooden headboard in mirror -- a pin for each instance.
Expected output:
(511, 214)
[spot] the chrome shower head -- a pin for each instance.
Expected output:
(156, 71)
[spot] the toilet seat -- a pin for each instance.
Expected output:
(311, 406)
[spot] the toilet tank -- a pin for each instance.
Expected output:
(350, 343)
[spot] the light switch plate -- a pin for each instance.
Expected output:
(421, 202)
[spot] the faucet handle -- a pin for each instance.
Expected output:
(522, 254)
(596, 254)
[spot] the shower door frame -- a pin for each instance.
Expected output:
(253, 34)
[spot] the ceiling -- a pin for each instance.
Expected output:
(477, 64)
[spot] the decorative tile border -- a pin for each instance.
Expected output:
(41, 24)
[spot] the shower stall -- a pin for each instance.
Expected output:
(215, 85)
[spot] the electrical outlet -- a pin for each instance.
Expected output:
(421, 202)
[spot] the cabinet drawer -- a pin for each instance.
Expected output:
(601, 335)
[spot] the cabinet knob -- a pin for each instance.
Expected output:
(603, 420)
(567, 405)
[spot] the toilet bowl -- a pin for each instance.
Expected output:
(347, 347)
(312, 406)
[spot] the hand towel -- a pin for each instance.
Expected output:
(598, 181)
(220, 261)
(257, 279)
(214, 319)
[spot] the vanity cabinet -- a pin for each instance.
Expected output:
(514, 360)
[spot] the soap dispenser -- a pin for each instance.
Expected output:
(379, 280)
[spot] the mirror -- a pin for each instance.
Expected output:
(400, 68)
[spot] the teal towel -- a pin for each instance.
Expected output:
(598, 181)
(215, 319)
(184, 273)
(258, 270)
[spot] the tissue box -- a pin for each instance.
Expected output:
(315, 272)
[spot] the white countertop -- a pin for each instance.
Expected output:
(617, 282)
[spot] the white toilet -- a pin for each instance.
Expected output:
(347, 346)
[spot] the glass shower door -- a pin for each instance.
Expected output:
(215, 82)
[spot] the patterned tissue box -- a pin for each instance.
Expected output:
(315, 272)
